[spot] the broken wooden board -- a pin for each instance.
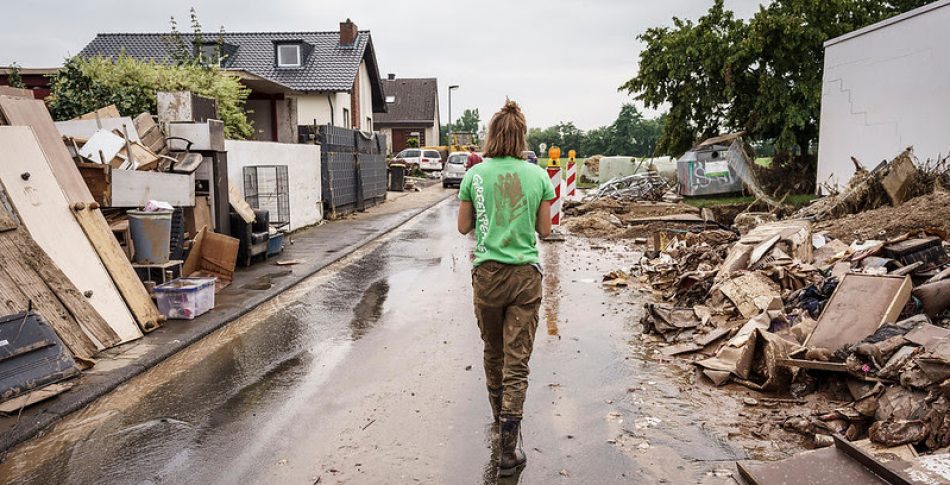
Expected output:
(28, 278)
(813, 365)
(13, 406)
(102, 147)
(16, 92)
(102, 113)
(239, 204)
(150, 134)
(43, 210)
(123, 274)
(858, 307)
(902, 174)
(685, 218)
(33, 113)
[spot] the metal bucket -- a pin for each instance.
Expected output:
(151, 235)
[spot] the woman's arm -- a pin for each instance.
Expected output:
(543, 225)
(466, 220)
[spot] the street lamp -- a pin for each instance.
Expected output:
(451, 88)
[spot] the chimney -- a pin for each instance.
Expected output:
(348, 32)
(392, 77)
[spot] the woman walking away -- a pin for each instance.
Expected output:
(506, 201)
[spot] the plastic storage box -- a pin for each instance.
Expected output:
(185, 298)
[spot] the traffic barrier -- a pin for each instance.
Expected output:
(554, 173)
(571, 190)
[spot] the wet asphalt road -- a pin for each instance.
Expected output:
(370, 372)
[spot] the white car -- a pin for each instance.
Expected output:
(427, 160)
(454, 169)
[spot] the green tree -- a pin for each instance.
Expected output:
(468, 122)
(685, 68)
(83, 85)
(764, 76)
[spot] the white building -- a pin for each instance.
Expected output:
(886, 87)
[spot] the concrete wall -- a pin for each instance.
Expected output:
(886, 87)
(388, 133)
(303, 168)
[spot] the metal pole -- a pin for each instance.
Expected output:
(451, 88)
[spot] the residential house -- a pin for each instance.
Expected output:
(412, 112)
(34, 79)
(296, 78)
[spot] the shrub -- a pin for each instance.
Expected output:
(87, 84)
(412, 143)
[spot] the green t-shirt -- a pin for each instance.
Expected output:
(506, 193)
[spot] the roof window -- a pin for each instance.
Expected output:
(288, 55)
(390, 99)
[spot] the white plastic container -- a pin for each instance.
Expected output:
(185, 298)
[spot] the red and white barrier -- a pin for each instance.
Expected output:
(571, 190)
(554, 173)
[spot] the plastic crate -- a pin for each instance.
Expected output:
(185, 298)
(275, 244)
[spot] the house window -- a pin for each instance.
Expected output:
(390, 99)
(209, 54)
(288, 55)
(347, 122)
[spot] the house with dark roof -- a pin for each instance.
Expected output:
(412, 112)
(296, 78)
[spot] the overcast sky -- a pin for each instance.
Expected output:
(561, 59)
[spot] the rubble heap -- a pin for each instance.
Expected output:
(791, 306)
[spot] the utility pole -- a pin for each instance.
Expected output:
(451, 88)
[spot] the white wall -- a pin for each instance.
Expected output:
(366, 98)
(885, 88)
(303, 169)
(388, 133)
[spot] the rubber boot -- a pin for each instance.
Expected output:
(512, 456)
(494, 396)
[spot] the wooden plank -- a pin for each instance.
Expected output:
(198, 216)
(86, 128)
(813, 364)
(29, 278)
(33, 113)
(134, 188)
(149, 132)
(239, 204)
(14, 405)
(115, 260)
(16, 92)
(98, 178)
(43, 209)
(102, 113)
(859, 306)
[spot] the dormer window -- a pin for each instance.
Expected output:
(209, 53)
(288, 55)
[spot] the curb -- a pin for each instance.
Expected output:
(82, 396)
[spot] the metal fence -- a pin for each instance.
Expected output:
(268, 187)
(353, 169)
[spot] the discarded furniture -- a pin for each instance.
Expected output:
(212, 255)
(859, 306)
(31, 355)
(166, 272)
(252, 235)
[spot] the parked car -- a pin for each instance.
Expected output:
(454, 169)
(412, 158)
(530, 156)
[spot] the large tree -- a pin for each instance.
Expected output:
(722, 74)
(683, 68)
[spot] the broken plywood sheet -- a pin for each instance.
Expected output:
(33, 113)
(792, 236)
(41, 205)
(902, 174)
(102, 147)
(13, 406)
(859, 305)
(239, 204)
(750, 292)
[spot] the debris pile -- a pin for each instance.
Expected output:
(798, 307)
(643, 186)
